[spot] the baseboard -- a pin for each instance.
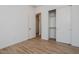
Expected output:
(12, 43)
(62, 42)
(75, 45)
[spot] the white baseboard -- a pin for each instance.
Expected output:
(75, 44)
(4, 45)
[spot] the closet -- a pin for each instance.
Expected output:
(52, 24)
(60, 24)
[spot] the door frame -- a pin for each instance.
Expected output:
(40, 24)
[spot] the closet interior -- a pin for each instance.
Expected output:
(52, 24)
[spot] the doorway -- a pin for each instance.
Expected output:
(52, 24)
(38, 25)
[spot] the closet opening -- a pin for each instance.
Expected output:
(38, 25)
(52, 25)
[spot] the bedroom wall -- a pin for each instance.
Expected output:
(14, 24)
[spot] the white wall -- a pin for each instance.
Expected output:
(75, 25)
(31, 23)
(14, 24)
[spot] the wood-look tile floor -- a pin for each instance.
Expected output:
(39, 46)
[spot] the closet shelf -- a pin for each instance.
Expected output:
(52, 27)
(52, 16)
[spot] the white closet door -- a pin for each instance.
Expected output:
(63, 24)
(75, 25)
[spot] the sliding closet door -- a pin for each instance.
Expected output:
(75, 25)
(63, 24)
